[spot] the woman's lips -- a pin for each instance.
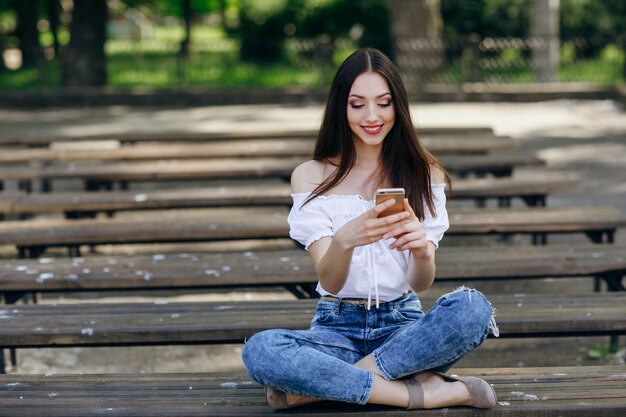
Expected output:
(372, 130)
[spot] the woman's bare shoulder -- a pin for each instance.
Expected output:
(437, 175)
(307, 176)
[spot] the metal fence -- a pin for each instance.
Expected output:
(310, 62)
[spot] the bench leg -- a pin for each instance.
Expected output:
(96, 185)
(535, 200)
(46, 186)
(603, 236)
(30, 252)
(500, 173)
(540, 238)
(25, 185)
(71, 215)
(303, 291)
(12, 297)
(73, 251)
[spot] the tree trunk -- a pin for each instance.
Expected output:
(84, 60)
(54, 8)
(545, 30)
(27, 32)
(416, 28)
(187, 15)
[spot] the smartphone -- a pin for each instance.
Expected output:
(396, 194)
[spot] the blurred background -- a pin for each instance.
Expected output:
(286, 43)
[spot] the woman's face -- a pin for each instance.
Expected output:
(370, 108)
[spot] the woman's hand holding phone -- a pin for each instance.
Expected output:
(410, 234)
(369, 227)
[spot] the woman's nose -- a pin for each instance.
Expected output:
(372, 114)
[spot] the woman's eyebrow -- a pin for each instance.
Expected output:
(380, 96)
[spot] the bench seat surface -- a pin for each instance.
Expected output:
(233, 149)
(518, 315)
(547, 392)
(263, 193)
(250, 223)
(167, 136)
(292, 267)
(237, 168)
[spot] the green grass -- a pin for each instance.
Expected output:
(214, 62)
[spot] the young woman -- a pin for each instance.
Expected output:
(369, 340)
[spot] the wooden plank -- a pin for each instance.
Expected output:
(250, 223)
(261, 193)
(215, 224)
(499, 164)
(8, 201)
(548, 183)
(232, 149)
(41, 140)
(549, 391)
(113, 324)
(293, 267)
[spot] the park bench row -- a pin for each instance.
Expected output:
(25, 139)
(598, 391)
(114, 151)
(31, 238)
(104, 175)
(533, 191)
(165, 323)
(293, 269)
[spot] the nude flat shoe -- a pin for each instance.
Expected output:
(416, 393)
(276, 399)
(481, 393)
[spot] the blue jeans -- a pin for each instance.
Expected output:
(403, 340)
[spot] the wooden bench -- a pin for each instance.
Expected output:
(131, 137)
(533, 191)
(548, 391)
(32, 237)
(163, 323)
(104, 175)
(294, 269)
(230, 149)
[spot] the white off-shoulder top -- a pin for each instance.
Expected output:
(374, 268)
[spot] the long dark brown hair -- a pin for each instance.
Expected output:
(405, 163)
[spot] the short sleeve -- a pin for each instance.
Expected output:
(308, 223)
(435, 226)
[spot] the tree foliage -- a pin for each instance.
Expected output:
(276, 20)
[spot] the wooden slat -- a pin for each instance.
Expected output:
(249, 223)
(546, 392)
(262, 193)
(40, 140)
(547, 184)
(216, 224)
(8, 201)
(532, 220)
(238, 168)
(231, 322)
(292, 267)
(234, 149)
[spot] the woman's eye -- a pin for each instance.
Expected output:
(387, 104)
(356, 106)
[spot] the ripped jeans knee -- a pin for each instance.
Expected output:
(476, 307)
